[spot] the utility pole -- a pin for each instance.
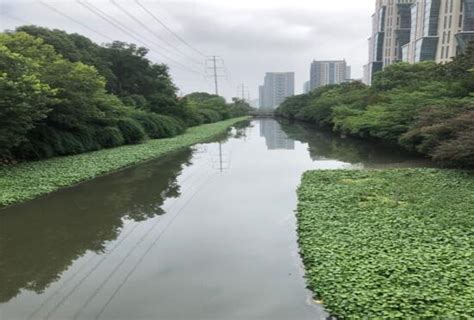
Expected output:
(216, 65)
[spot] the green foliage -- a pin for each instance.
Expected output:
(444, 132)
(63, 94)
(404, 75)
(110, 137)
(132, 131)
(159, 126)
(24, 99)
(209, 115)
(387, 245)
(15, 180)
(394, 109)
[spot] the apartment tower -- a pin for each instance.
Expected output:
(391, 24)
(276, 88)
(440, 29)
(328, 72)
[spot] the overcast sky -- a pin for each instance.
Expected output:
(251, 36)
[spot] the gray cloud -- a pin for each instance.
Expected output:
(251, 40)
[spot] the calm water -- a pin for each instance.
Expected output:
(207, 233)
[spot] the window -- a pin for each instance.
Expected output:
(447, 52)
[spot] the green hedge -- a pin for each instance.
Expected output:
(28, 180)
(395, 244)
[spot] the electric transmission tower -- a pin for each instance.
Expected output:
(215, 65)
(243, 92)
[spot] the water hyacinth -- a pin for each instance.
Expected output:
(390, 243)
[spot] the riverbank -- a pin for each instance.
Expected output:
(389, 243)
(29, 180)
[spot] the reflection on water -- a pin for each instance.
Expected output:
(40, 239)
(232, 256)
(275, 137)
(327, 145)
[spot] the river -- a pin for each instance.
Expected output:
(205, 233)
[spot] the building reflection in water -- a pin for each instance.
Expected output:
(275, 137)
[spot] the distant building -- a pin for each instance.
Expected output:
(328, 72)
(440, 29)
(276, 88)
(306, 87)
(391, 24)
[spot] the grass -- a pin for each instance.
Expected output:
(389, 244)
(26, 181)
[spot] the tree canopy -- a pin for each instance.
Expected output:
(425, 107)
(64, 94)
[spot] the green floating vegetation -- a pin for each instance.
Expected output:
(395, 244)
(28, 180)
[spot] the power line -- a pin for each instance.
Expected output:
(74, 20)
(118, 25)
(169, 29)
(131, 16)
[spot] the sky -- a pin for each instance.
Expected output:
(248, 37)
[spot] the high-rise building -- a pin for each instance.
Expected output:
(276, 88)
(306, 87)
(328, 72)
(440, 29)
(391, 24)
(418, 30)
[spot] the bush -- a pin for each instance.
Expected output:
(159, 126)
(209, 116)
(109, 137)
(131, 130)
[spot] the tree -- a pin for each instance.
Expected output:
(24, 99)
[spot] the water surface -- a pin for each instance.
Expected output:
(205, 233)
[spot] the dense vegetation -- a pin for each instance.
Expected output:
(392, 244)
(424, 107)
(52, 174)
(63, 94)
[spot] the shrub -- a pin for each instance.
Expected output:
(131, 130)
(109, 137)
(209, 116)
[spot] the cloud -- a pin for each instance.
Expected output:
(253, 36)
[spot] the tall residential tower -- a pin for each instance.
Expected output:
(276, 88)
(440, 29)
(390, 32)
(328, 72)
(418, 30)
